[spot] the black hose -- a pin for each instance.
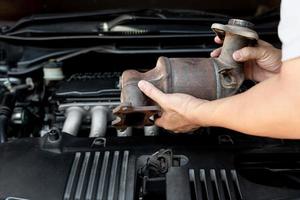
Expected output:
(6, 108)
(3, 128)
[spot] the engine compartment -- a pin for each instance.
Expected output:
(89, 80)
(60, 143)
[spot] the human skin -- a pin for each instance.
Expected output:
(261, 62)
(271, 108)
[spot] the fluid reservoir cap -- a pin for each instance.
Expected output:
(53, 71)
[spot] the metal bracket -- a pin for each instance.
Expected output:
(137, 116)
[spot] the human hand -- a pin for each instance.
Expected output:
(261, 62)
(178, 110)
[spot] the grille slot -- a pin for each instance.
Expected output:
(98, 176)
(215, 185)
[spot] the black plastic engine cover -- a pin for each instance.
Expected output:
(88, 85)
(82, 168)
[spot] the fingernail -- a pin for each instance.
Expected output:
(216, 39)
(142, 84)
(212, 54)
(237, 56)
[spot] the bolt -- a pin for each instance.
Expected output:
(53, 135)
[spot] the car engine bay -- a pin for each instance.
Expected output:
(60, 82)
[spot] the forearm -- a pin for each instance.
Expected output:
(271, 108)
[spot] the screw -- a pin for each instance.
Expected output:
(53, 135)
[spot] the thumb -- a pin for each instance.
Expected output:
(152, 92)
(215, 53)
(249, 53)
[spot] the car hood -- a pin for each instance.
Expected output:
(14, 10)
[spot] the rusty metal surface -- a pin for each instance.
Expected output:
(171, 75)
(205, 78)
(134, 116)
(193, 76)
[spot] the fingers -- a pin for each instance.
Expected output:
(159, 122)
(249, 53)
(218, 40)
(264, 43)
(152, 92)
(215, 53)
(252, 53)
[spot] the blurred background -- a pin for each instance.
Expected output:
(11, 10)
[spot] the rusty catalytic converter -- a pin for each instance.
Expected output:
(205, 78)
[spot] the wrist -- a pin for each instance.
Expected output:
(204, 113)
